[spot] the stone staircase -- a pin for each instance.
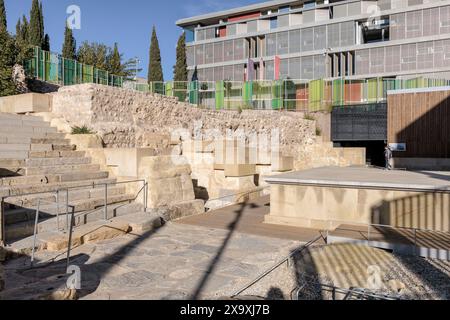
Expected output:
(35, 158)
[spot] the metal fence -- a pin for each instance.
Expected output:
(287, 94)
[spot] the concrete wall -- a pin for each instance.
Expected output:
(314, 206)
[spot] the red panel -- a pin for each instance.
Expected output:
(245, 16)
(222, 32)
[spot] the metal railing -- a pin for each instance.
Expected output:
(277, 265)
(370, 226)
(70, 217)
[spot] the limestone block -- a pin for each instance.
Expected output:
(24, 103)
(127, 160)
(101, 231)
(180, 210)
(85, 141)
(166, 191)
(62, 125)
(239, 170)
(198, 146)
(282, 163)
(163, 167)
(234, 152)
(142, 221)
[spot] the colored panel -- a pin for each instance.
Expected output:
(244, 17)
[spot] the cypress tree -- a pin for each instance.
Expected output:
(180, 72)
(36, 34)
(46, 44)
(3, 23)
(7, 60)
(23, 48)
(155, 73)
(69, 47)
(114, 61)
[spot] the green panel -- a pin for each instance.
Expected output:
(338, 92)
(193, 92)
(316, 93)
(169, 89)
(247, 94)
(277, 95)
(219, 95)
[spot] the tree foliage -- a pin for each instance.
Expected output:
(3, 22)
(155, 72)
(180, 72)
(36, 28)
(69, 50)
(8, 55)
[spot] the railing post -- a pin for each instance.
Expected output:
(145, 195)
(106, 203)
(415, 242)
(57, 211)
(36, 220)
(2, 222)
(67, 209)
(368, 234)
(69, 246)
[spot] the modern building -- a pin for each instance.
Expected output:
(320, 39)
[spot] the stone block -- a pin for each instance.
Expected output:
(180, 210)
(142, 221)
(240, 170)
(25, 103)
(163, 167)
(85, 141)
(282, 163)
(197, 146)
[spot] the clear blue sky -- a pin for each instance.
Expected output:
(127, 22)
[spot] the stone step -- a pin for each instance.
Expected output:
(23, 123)
(20, 182)
(55, 161)
(9, 116)
(26, 147)
(56, 154)
(60, 169)
(20, 209)
(29, 129)
(31, 201)
(5, 155)
(53, 187)
(39, 135)
(48, 222)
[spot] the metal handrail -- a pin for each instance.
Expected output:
(69, 226)
(277, 265)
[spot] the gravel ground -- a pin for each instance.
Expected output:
(351, 266)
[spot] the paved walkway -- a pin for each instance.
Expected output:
(179, 261)
(249, 219)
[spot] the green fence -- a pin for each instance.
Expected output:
(289, 94)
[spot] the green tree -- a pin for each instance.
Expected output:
(3, 23)
(155, 73)
(35, 32)
(180, 72)
(24, 49)
(69, 50)
(94, 54)
(46, 44)
(115, 61)
(7, 60)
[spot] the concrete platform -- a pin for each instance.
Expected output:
(316, 197)
(360, 177)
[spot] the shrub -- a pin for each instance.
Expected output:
(81, 130)
(309, 117)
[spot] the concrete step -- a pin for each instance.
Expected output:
(36, 181)
(48, 222)
(6, 155)
(31, 201)
(60, 169)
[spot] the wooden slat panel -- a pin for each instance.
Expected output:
(422, 120)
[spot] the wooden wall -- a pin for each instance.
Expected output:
(422, 121)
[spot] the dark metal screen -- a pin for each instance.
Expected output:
(359, 123)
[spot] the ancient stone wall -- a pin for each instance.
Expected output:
(125, 118)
